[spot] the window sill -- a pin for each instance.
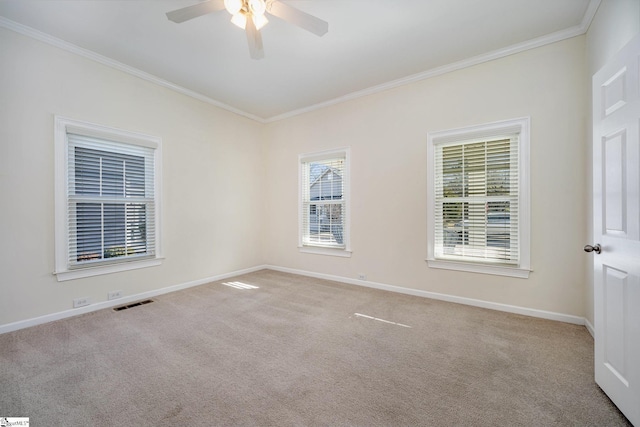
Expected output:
(324, 251)
(498, 270)
(106, 269)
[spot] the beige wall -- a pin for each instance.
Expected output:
(387, 133)
(212, 169)
(615, 23)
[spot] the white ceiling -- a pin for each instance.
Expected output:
(371, 44)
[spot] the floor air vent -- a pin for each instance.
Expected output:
(133, 304)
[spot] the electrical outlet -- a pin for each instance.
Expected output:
(81, 302)
(362, 276)
(114, 295)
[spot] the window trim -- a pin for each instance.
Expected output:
(521, 126)
(63, 126)
(346, 183)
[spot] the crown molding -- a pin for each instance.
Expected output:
(568, 33)
(590, 14)
(455, 66)
(70, 47)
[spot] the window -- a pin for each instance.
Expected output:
(324, 203)
(107, 198)
(479, 199)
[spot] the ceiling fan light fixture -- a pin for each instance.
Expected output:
(249, 16)
(257, 7)
(260, 21)
(239, 20)
(233, 6)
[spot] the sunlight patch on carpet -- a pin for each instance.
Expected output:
(240, 285)
(381, 320)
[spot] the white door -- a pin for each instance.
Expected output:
(616, 214)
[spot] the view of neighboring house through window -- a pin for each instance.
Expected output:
(106, 199)
(479, 196)
(324, 200)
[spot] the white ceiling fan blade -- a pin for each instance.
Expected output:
(196, 10)
(297, 17)
(254, 39)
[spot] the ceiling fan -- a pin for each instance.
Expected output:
(250, 15)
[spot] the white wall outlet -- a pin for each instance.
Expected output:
(114, 295)
(81, 302)
(362, 276)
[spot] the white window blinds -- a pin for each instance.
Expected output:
(477, 201)
(110, 201)
(323, 202)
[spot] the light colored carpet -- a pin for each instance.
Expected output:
(293, 352)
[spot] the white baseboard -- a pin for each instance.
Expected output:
(9, 327)
(567, 318)
(589, 327)
(392, 288)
